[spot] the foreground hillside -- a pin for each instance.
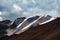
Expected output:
(49, 31)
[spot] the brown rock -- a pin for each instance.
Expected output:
(49, 31)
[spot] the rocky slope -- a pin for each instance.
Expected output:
(49, 31)
(41, 31)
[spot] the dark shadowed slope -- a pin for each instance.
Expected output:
(17, 22)
(49, 31)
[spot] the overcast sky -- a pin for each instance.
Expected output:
(12, 9)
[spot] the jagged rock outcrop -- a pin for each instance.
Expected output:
(17, 22)
(48, 31)
(4, 25)
(42, 19)
(6, 22)
(3, 29)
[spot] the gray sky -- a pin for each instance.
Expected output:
(12, 9)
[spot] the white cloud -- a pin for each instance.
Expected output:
(17, 8)
(29, 7)
(53, 13)
(36, 11)
(26, 14)
(24, 1)
(0, 13)
(5, 13)
(1, 18)
(33, 1)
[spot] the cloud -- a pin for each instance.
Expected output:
(36, 11)
(12, 9)
(53, 13)
(1, 18)
(0, 13)
(17, 8)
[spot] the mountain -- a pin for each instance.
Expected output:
(42, 19)
(17, 22)
(32, 18)
(22, 24)
(26, 23)
(4, 25)
(6, 22)
(48, 31)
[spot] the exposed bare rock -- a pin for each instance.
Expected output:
(17, 22)
(47, 31)
(6, 22)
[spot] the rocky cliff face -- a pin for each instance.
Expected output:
(17, 22)
(9, 25)
(48, 31)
